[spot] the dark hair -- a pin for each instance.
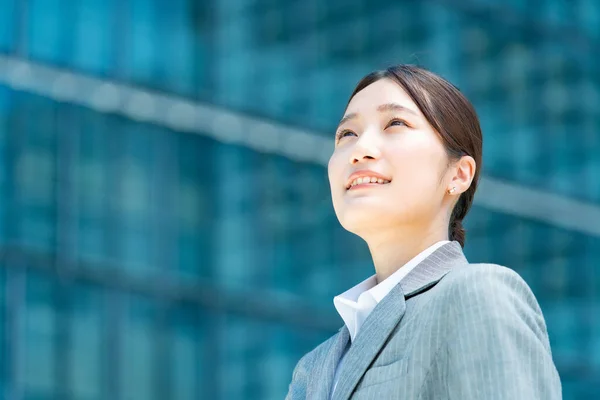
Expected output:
(451, 115)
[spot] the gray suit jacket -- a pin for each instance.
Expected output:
(448, 330)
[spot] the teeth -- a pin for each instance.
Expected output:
(368, 179)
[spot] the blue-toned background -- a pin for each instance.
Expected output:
(166, 229)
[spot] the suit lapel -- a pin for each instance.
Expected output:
(389, 312)
(371, 337)
(321, 379)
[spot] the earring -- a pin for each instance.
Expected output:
(451, 191)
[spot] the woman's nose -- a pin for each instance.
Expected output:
(365, 149)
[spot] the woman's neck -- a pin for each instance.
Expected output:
(392, 252)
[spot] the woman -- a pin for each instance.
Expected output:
(427, 325)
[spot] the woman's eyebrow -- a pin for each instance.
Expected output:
(381, 108)
(347, 118)
(395, 107)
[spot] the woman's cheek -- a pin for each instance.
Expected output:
(334, 169)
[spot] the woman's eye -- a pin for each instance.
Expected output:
(397, 122)
(344, 134)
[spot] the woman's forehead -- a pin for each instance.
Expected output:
(377, 95)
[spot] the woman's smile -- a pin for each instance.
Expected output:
(367, 184)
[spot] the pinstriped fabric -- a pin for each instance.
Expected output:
(449, 330)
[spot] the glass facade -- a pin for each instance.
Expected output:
(141, 261)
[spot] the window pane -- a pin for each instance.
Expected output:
(8, 17)
(138, 349)
(87, 324)
(37, 350)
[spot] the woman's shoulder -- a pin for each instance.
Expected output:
(487, 288)
(485, 282)
(482, 273)
(491, 296)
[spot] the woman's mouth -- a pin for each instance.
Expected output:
(366, 182)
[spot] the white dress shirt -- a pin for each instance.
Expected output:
(355, 304)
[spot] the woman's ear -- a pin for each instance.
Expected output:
(464, 172)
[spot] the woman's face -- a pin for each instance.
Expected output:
(384, 135)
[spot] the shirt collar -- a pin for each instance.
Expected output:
(347, 304)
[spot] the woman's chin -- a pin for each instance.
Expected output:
(364, 219)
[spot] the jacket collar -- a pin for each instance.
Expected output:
(378, 326)
(433, 268)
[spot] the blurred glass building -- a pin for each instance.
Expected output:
(166, 229)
